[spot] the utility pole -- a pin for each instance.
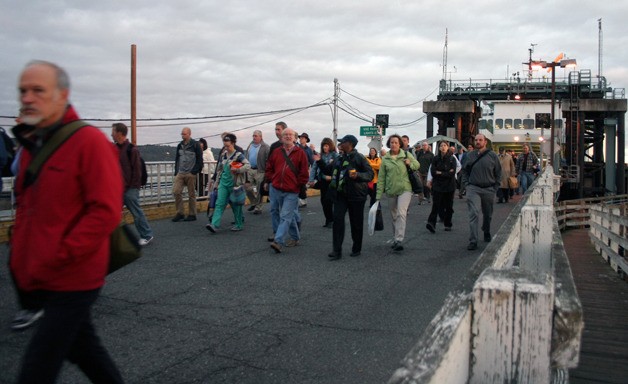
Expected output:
(133, 94)
(335, 113)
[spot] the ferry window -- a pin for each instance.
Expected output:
(482, 124)
(489, 124)
(528, 124)
(518, 124)
(499, 123)
(542, 120)
(508, 123)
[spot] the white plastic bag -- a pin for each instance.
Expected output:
(371, 221)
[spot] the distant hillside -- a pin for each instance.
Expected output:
(163, 152)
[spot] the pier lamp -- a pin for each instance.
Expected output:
(564, 63)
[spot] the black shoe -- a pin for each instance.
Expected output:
(178, 217)
(25, 318)
(329, 224)
(355, 254)
(271, 238)
(190, 218)
(334, 256)
(448, 229)
(210, 228)
(430, 227)
(487, 237)
(251, 208)
(397, 246)
(472, 246)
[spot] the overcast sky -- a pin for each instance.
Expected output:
(217, 58)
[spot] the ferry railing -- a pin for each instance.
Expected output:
(516, 315)
(608, 229)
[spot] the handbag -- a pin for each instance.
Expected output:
(379, 219)
(415, 180)
(513, 182)
(124, 247)
(213, 196)
(237, 196)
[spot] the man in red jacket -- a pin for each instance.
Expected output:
(64, 217)
(287, 169)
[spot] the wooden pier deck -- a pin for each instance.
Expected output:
(604, 297)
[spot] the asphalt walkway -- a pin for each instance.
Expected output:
(224, 308)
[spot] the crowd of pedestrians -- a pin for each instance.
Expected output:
(58, 271)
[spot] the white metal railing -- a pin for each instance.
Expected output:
(158, 189)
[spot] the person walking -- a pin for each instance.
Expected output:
(287, 169)
(508, 171)
(481, 176)
(208, 168)
(527, 162)
(375, 162)
(188, 162)
(441, 179)
(424, 158)
(64, 217)
(394, 183)
(304, 139)
(131, 165)
(229, 180)
(256, 153)
(349, 184)
(320, 174)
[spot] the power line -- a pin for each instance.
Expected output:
(389, 106)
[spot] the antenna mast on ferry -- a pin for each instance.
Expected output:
(445, 57)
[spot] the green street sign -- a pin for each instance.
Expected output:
(370, 130)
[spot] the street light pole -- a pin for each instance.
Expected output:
(553, 122)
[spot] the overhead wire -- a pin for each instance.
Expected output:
(389, 106)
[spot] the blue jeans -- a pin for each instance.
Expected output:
(525, 180)
(286, 205)
(132, 201)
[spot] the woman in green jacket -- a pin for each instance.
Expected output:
(393, 181)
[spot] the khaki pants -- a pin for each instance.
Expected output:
(255, 178)
(187, 180)
(399, 210)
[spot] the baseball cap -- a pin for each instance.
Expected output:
(350, 138)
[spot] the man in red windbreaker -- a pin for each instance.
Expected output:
(287, 169)
(64, 217)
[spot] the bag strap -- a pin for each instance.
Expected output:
(476, 160)
(57, 139)
(289, 162)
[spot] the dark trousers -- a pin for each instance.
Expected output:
(356, 222)
(503, 194)
(66, 332)
(443, 206)
(326, 202)
(373, 194)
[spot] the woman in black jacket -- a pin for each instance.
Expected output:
(442, 181)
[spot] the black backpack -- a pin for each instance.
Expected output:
(144, 178)
(9, 145)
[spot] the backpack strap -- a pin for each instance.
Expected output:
(57, 139)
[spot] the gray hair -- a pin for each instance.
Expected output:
(257, 132)
(63, 80)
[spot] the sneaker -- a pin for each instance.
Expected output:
(144, 242)
(472, 246)
(257, 211)
(190, 218)
(397, 246)
(235, 229)
(251, 208)
(430, 227)
(25, 318)
(178, 217)
(292, 243)
(210, 228)
(276, 247)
